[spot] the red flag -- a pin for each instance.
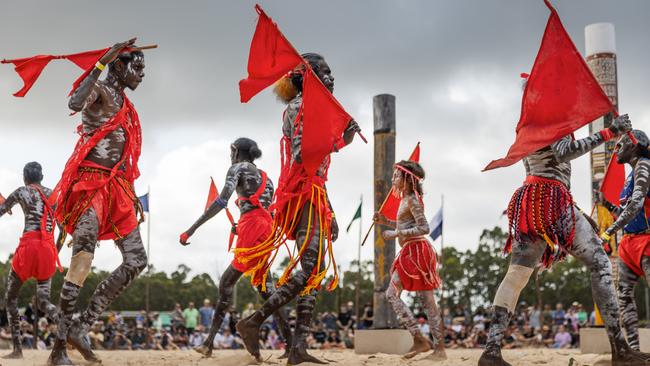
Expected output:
(213, 193)
(86, 61)
(415, 155)
(561, 95)
(271, 57)
(30, 68)
(613, 181)
(391, 203)
(324, 121)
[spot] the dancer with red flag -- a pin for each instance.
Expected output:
(545, 225)
(633, 219)
(36, 255)
(95, 199)
(415, 268)
(314, 125)
(255, 192)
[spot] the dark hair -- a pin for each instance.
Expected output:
(643, 143)
(313, 59)
(125, 57)
(33, 173)
(247, 149)
(416, 169)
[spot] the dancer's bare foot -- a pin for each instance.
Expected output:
(204, 350)
(77, 338)
(59, 355)
(630, 358)
(249, 331)
(15, 355)
(300, 355)
(437, 355)
(420, 344)
(492, 360)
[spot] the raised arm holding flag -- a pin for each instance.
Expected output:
(314, 126)
(560, 96)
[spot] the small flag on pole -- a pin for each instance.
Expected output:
(357, 215)
(436, 225)
(213, 193)
(144, 201)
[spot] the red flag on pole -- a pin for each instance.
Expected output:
(613, 181)
(561, 95)
(30, 68)
(391, 204)
(271, 57)
(324, 121)
(213, 193)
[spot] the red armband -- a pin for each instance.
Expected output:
(607, 134)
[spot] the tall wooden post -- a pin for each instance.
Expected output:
(384, 120)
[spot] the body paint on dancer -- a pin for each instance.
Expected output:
(255, 192)
(36, 255)
(103, 204)
(311, 222)
(634, 248)
(414, 269)
(545, 226)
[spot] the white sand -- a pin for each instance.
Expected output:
(524, 357)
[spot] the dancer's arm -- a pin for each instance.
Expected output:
(86, 94)
(567, 149)
(421, 226)
(380, 219)
(5, 207)
(636, 201)
(232, 179)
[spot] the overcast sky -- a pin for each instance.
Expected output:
(453, 65)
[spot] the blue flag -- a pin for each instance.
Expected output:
(144, 201)
(436, 225)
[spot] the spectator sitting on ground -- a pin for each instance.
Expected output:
(333, 341)
(227, 340)
(121, 342)
(96, 335)
(562, 338)
(138, 338)
(197, 338)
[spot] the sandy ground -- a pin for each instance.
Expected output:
(524, 357)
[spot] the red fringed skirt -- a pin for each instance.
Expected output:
(632, 249)
(542, 209)
(253, 228)
(114, 202)
(35, 256)
(417, 265)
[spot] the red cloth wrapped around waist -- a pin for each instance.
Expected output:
(253, 228)
(36, 256)
(113, 200)
(632, 249)
(416, 265)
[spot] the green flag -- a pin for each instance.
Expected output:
(357, 215)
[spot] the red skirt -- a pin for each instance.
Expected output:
(35, 256)
(416, 265)
(542, 208)
(252, 229)
(632, 249)
(114, 203)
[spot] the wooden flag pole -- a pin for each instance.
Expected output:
(373, 222)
